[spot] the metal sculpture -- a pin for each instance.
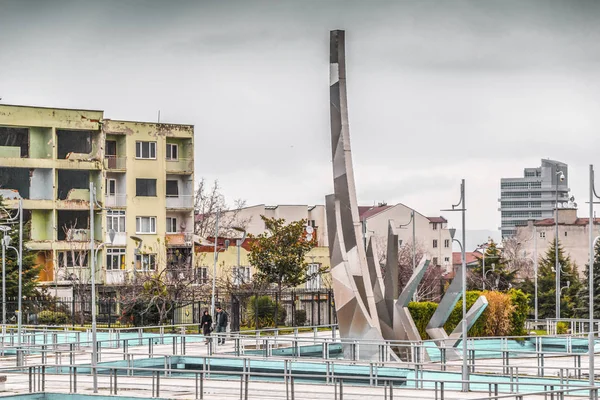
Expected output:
(368, 304)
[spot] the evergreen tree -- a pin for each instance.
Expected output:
(569, 300)
(584, 294)
(30, 269)
(498, 275)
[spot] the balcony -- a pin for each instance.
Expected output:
(180, 239)
(115, 200)
(180, 202)
(180, 166)
(114, 163)
(116, 277)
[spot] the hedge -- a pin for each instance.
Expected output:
(505, 314)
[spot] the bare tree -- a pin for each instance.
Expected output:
(431, 286)
(74, 266)
(208, 200)
(516, 260)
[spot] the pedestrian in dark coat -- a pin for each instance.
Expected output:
(206, 323)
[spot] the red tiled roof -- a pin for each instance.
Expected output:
(471, 257)
(209, 248)
(439, 220)
(369, 211)
(578, 221)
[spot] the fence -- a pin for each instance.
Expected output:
(293, 307)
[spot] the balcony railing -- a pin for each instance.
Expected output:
(115, 200)
(182, 201)
(115, 276)
(180, 239)
(180, 165)
(114, 162)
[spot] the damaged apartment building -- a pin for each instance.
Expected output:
(143, 179)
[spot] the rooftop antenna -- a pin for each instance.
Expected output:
(159, 116)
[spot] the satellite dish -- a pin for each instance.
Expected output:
(575, 205)
(309, 230)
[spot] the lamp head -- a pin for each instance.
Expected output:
(561, 176)
(4, 228)
(138, 241)
(452, 233)
(399, 242)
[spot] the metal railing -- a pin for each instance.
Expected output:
(115, 200)
(114, 162)
(180, 165)
(181, 201)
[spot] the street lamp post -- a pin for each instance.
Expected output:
(216, 255)
(414, 244)
(20, 280)
(5, 243)
(461, 206)
(592, 243)
(560, 176)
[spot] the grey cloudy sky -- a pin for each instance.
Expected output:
(438, 90)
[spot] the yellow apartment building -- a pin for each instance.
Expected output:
(143, 177)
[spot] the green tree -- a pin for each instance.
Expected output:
(498, 275)
(569, 301)
(279, 254)
(30, 269)
(584, 292)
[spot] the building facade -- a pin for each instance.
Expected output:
(573, 234)
(142, 174)
(533, 196)
(431, 233)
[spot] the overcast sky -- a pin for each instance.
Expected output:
(437, 90)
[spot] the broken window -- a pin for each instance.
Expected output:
(72, 179)
(73, 142)
(172, 189)
(73, 258)
(145, 187)
(73, 225)
(15, 179)
(15, 137)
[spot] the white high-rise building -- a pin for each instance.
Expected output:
(533, 196)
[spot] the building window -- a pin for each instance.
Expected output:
(145, 150)
(172, 152)
(145, 187)
(241, 275)
(446, 259)
(447, 243)
(171, 225)
(145, 225)
(73, 259)
(314, 273)
(115, 258)
(543, 235)
(435, 243)
(111, 187)
(115, 220)
(311, 222)
(172, 189)
(202, 275)
(145, 262)
(435, 226)
(565, 233)
(435, 261)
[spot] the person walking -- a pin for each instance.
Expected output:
(206, 324)
(221, 324)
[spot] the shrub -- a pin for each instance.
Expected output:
(421, 313)
(263, 309)
(299, 317)
(521, 302)
(505, 314)
(562, 328)
(52, 318)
